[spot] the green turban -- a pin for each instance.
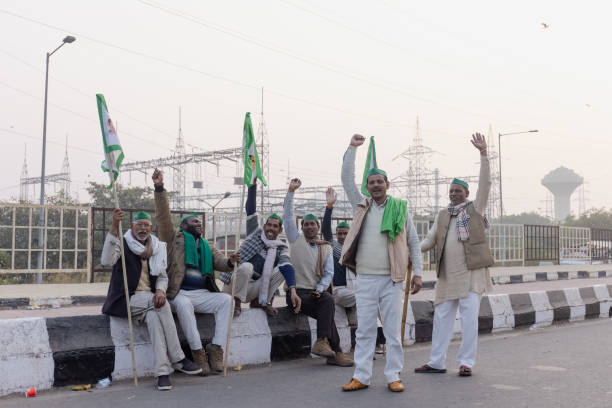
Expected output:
(142, 215)
(460, 182)
(343, 224)
(186, 217)
(275, 216)
(374, 171)
(311, 217)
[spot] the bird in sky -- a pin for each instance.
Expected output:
(544, 26)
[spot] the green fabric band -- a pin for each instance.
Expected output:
(186, 217)
(275, 216)
(374, 171)
(460, 182)
(343, 224)
(311, 217)
(142, 215)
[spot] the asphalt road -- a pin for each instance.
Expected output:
(560, 366)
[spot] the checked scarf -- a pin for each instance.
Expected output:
(463, 232)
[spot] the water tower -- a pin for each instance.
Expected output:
(562, 182)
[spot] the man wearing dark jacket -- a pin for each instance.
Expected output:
(191, 286)
(145, 262)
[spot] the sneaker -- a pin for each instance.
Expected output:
(200, 358)
(163, 383)
(341, 359)
(322, 348)
(354, 385)
(188, 367)
(396, 386)
(215, 357)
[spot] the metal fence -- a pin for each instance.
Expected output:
(601, 244)
(541, 243)
(574, 245)
(507, 243)
(65, 244)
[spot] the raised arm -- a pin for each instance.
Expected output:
(165, 227)
(484, 179)
(288, 218)
(326, 228)
(348, 171)
(250, 208)
(111, 251)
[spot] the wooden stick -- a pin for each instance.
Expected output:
(406, 296)
(231, 315)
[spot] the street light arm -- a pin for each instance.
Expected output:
(53, 52)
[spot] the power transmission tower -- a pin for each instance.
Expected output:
(23, 187)
(178, 171)
(66, 170)
(493, 204)
(262, 135)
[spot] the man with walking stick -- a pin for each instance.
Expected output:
(145, 267)
(377, 248)
(192, 288)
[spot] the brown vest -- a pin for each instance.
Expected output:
(476, 248)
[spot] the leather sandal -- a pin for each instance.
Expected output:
(465, 371)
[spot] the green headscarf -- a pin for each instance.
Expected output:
(142, 215)
(343, 224)
(374, 171)
(275, 216)
(460, 182)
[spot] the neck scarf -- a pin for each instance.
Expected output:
(203, 260)
(320, 267)
(268, 267)
(394, 217)
(154, 250)
(463, 231)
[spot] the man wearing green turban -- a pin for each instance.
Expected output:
(459, 240)
(191, 287)
(378, 248)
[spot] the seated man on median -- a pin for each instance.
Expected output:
(192, 288)
(314, 271)
(145, 263)
(264, 263)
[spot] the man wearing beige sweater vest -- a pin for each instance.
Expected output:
(377, 249)
(458, 237)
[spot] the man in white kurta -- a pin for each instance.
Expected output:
(458, 285)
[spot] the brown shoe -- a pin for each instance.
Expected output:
(199, 357)
(237, 307)
(322, 348)
(215, 357)
(354, 385)
(270, 311)
(426, 369)
(396, 386)
(465, 371)
(341, 359)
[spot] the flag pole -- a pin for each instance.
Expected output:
(406, 296)
(125, 283)
(231, 314)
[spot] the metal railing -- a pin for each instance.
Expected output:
(541, 243)
(574, 245)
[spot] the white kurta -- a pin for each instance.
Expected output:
(456, 280)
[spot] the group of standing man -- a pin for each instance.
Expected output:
(365, 267)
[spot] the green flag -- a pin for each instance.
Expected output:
(370, 164)
(252, 167)
(113, 153)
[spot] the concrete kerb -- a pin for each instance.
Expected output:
(58, 351)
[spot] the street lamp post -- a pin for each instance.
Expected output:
(501, 199)
(214, 232)
(41, 215)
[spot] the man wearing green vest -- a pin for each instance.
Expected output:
(378, 248)
(458, 237)
(191, 287)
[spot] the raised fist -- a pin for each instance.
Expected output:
(294, 184)
(158, 178)
(357, 140)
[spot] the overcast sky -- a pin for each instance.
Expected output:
(329, 69)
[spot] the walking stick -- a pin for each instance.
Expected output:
(231, 314)
(125, 285)
(406, 295)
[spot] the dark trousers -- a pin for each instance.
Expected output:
(322, 310)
